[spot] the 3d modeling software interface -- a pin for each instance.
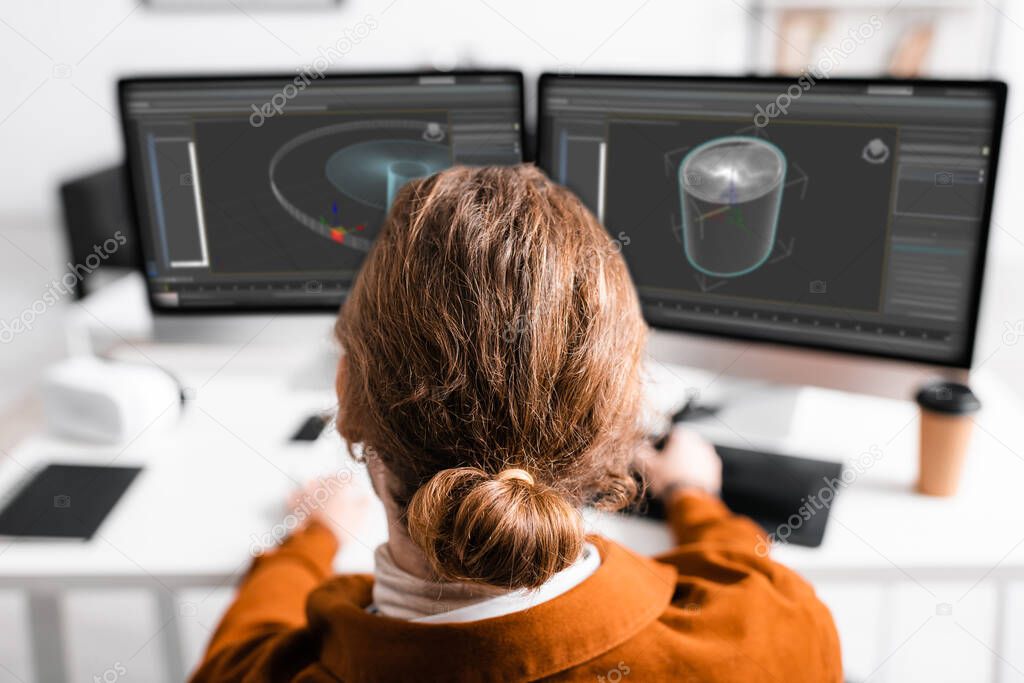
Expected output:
(850, 216)
(269, 192)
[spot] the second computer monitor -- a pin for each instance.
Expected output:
(836, 214)
(267, 192)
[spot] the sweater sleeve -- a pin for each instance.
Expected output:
(738, 594)
(270, 605)
(697, 517)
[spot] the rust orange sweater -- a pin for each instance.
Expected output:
(711, 609)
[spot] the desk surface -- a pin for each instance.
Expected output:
(215, 479)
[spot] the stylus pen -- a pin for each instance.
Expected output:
(675, 418)
(691, 410)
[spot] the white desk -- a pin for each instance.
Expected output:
(214, 482)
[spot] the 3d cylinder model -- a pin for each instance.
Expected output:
(401, 172)
(730, 189)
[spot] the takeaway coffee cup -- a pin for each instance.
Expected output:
(947, 409)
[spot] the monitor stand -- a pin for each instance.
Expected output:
(318, 371)
(723, 407)
(118, 314)
(756, 409)
(301, 344)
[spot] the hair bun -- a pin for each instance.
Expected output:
(508, 530)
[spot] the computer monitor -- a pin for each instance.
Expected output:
(849, 217)
(265, 193)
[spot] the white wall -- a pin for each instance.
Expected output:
(1003, 296)
(61, 59)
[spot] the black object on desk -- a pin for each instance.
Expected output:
(65, 501)
(96, 208)
(770, 489)
(311, 428)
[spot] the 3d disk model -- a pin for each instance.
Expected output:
(730, 189)
(370, 172)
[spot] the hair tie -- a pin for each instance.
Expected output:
(516, 473)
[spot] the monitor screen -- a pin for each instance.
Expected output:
(267, 192)
(840, 214)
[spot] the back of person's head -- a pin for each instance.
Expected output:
(492, 345)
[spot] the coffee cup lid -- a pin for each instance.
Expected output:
(948, 397)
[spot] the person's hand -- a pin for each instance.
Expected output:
(339, 502)
(688, 461)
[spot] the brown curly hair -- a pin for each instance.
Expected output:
(494, 325)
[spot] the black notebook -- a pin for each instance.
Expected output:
(65, 501)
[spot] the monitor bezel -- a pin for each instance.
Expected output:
(139, 210)
(996, 88)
